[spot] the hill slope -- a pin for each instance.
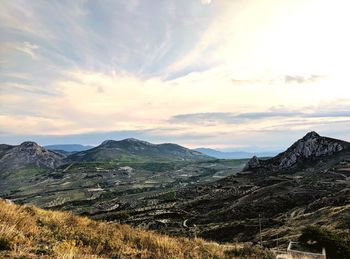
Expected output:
(27, 154)
(315, 189)
(29, 232)
(137, 151)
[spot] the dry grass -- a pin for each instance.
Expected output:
(29, 232)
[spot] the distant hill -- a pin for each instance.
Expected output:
(233, 154)
(68, 147)
(28, 154)
(138, 151)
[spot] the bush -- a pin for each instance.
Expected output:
(169, 196)
(336, 247)
(4, 244)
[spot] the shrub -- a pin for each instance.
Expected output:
(336, 247)
(4, 244)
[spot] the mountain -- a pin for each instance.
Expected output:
(137, 151)
(149, 186)
(88, 181)
(306, 149)
(27, 154)
(68, 147)
(233, 154)
(313, 188)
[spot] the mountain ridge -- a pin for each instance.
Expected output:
(233, 154)
(309, 147)
(137, 150)
(313, 189)
(286, 195)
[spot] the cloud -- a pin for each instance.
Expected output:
(81, 67)
(206, 2)
(279, 79)
(303, 79)
(29, 49)
(237, 118)
(24, 89)
(159, 135)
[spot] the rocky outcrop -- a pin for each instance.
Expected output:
(29, 154)
(253, 163)
(312, 145)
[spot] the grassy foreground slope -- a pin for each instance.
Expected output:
(30, 232)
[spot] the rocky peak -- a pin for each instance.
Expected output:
(311, 146)
(252, 163)
(107, 142)
(137, 141)
(311, 134)
(29, 144)
(31, 148)
(29, 153)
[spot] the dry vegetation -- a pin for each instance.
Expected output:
(29, 232)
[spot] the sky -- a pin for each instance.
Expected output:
(228, 74)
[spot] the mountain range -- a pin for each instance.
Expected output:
(73, 148)
(233, 154)
(308, 184)
(178, 191)
(32, 155)
(68, 147)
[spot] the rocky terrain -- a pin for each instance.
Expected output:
(184, 193)
(28, 154)
(312, 146)
(283, 196)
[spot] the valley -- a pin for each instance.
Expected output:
(187, 194)
(98, 184)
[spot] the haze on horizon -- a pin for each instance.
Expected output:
(223, 74)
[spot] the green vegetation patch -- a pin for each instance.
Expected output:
(25, 173)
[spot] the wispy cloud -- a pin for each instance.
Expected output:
(179, 68)
(303, 79)
(235, 118)
(279, 79)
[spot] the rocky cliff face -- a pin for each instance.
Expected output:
(312, 145)
(29, 154)
(253, 163)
